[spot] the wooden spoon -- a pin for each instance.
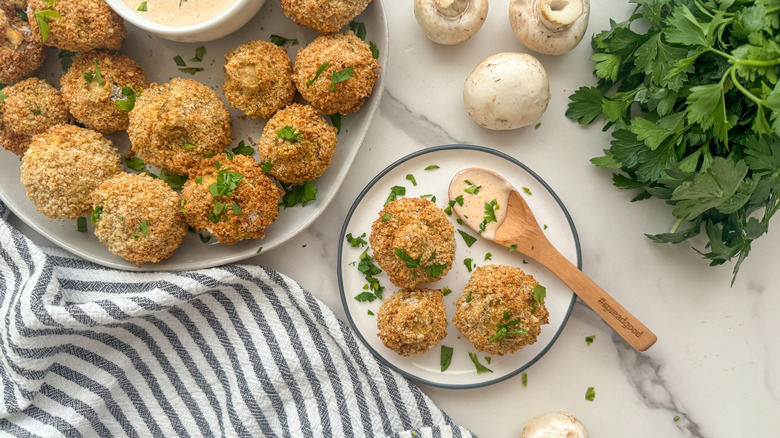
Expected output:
(516, 227)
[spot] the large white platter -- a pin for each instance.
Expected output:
(156, 56)
(548, 210)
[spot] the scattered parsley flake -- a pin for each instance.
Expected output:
(371, 313)
(469, 239)
(190, 70)
(480, 368)
(96, 212)
(66, 59)
(259, 249)
(488, 256)
(340, 76)
(471, 188)
(589, 339)
(301, 194)
(446, 357)
(317, 74)
(356, 242)
(410, 177)
(446, 291)
(179, 61)
(432, 167)
(42, 18)
(433, 271)
(288, 133)
(199, 52)
(142, 7)
(590, 394)
(676, 418)
(525, 379)
(527, 191)
(267, 165)
(513, 248)
(244, 149)
(280, 40)
(335, 118)
(358, 28)
(395, 192)
(374, 50)
(81, 224)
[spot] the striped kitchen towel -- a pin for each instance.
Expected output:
(228, 351)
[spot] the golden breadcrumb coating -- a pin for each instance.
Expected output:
(21, 52)
(63, 166)
(31, 107)
(174, 125)
(242, 212)
(82, 25)
(258, 79)
(304, 158)
(420, 229)
(342, 52)
(323, 15)
(93, 103)
(137, 217)
(496, 297)
(412, 321)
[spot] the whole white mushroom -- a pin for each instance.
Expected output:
(507, 91)
(450, 21)
(555, 424)
(552, 27)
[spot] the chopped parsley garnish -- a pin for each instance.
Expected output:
(199, 52)
(66, 59)
(259, 249)
(135, 163)
(525, 379)
(142, 230)
(385, 217)
(370, 313)
(227, 182)
(433, 271)
(37, 112)
(94, 75)
(446, 291)
(280, 40)
(289, 134)
(142, 7)
(365, 297)
(590, 394)
(395, 192)
(527, 191)
(300, 194)
(176, 182)
(480, 368)
(505, 329)
(236, 209)
(128, 103)
(181, 206)
(589, 339)
(199, 180)
(410, 177)
(539, 293)
(179, 61)
(431, 167)
(490, 215)
(374, 50)
(513, 248)
(2, 95)
(204, 239)
(467, 262)
(81, 225)
(335, 118)
(22, 15)
(468, 238)
(191, 70)
(183, 65)
(367, 267)
(317, 74)
(468, 298)
(42, 18)
(188, 146)
(471, 188)
(358, 28)
(243, 149)
(356, 242)
(267, 166)
(446, 357)
(96, 212)
(340, 76)
(676, 418)
(488, 256)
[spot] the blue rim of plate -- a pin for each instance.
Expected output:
(343, 234)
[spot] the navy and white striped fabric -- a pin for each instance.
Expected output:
(229, 351)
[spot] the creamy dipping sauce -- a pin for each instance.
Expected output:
(480, 189)
(180, 12)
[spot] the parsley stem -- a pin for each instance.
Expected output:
(676, 225)
(745, 91)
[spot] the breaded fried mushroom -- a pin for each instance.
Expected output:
(412, 321)
(258, 79)
(94, 84)
(21, 52)
(29, 108)
(336, 72)
(174, 125)
(498, 312)
(232, 199)
(298, 144)
(323, 15)
(413, 242)
(63, 166)
(77, 25)
(137, 217)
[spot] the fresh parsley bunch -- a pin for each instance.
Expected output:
(690, 91)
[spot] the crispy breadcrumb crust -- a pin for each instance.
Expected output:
(31, 107)
(412, 321)
(174, 125)
(94, 104)
(257, 197)
(302, 160)
(63, 166)
(498, 294)
(83, 25)
(138, 217)
(340, 51)
(421, 229)
(258, 79)
(21, 51)
(323, 15)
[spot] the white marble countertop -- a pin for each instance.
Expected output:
(716, 364)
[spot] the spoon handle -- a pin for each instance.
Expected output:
(614, 314)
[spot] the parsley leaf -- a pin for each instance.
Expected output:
(280, 40)
(356, 242)
(340, 76)
(317, 74)
(446, 357)
(299, 194)
(469, 239)
(395, 192)
(480, 368)
(433, 271)
(289, 134)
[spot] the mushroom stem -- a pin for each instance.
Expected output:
(451, 8)
(558, 15)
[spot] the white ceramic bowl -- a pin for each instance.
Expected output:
(229, 21)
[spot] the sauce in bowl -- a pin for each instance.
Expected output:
(179, 12)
